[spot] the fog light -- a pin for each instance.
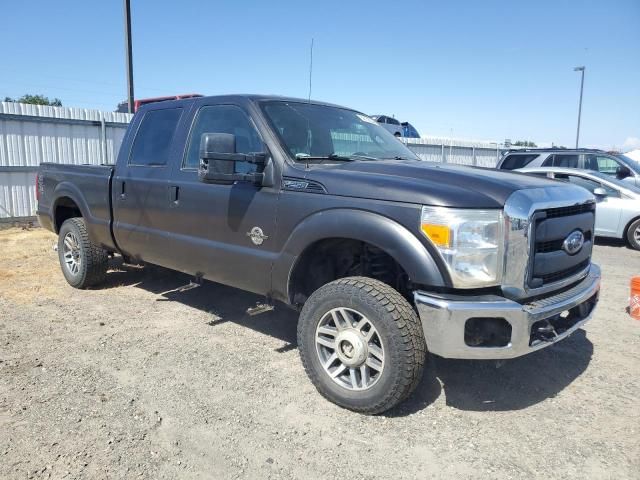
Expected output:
(487, 332)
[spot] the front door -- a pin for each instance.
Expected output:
(225, 233)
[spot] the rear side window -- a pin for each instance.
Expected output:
(153, 139)
(561, 160)
(511, 162)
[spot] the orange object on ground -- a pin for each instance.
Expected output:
(634, 299)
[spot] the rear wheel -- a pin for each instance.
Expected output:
(83, 263)
(633, 235)
(361, 344)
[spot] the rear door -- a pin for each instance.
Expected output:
(140, 187)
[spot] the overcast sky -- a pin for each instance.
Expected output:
(474, 69)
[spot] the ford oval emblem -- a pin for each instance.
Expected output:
(573, 243)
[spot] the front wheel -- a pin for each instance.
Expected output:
(83, 263)
(633, 235)
(361, 344)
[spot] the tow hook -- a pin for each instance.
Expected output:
(545, 332)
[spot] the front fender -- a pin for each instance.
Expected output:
(377, 230)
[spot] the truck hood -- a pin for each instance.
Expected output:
(425, 183)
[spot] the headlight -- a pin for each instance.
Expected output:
(471, 243)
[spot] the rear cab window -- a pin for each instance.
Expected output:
(154, 136)
(517, 160)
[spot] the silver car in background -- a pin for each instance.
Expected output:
(389, 123)
(617, 166)
(618, 201)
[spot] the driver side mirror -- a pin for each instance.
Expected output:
(622, 172)
(599, 192)
(218, 157)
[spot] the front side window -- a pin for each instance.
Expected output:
(224, 119)
(602, 164)
(511, 162)
(153, 138)
(561, 160)
(311, 130)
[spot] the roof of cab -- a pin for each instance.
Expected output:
(235, 98)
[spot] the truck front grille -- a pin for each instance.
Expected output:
(562, 274)
(568, 211)
(553, 245)
(550, 263)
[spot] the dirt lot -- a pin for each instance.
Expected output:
(136, 380)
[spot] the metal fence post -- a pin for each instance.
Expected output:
(474, 161)
(103, 138)
(497, 154)
(442, 154)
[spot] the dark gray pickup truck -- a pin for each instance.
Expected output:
(318, 207)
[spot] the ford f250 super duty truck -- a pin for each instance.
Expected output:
(317, 206)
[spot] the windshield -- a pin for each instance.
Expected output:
(318, 131)
(630, 162)
(614, 181)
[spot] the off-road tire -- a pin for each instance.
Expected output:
(400, 332)
(631, 235)
(93, 258)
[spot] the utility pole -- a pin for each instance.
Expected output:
(310, 68)
(128, 51)
(581, 70)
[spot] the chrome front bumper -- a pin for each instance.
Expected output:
(444, 318)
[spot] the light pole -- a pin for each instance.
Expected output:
(128, 53)
(579, 69)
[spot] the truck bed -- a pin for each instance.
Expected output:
(87, 187)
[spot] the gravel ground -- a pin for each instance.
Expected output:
(137, 380)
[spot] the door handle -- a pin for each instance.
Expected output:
(174, 194)
(123, 191)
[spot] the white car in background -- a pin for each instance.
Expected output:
(390, 123)
(617, 201)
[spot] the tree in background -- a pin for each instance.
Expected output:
(524, 143)
(36, 100)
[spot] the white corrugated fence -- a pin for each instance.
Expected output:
(31, 134)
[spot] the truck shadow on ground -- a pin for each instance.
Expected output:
(226, 304)
(482, 385)
(467, 385)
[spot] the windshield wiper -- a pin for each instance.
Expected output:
(319, 158)
(366, 157)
